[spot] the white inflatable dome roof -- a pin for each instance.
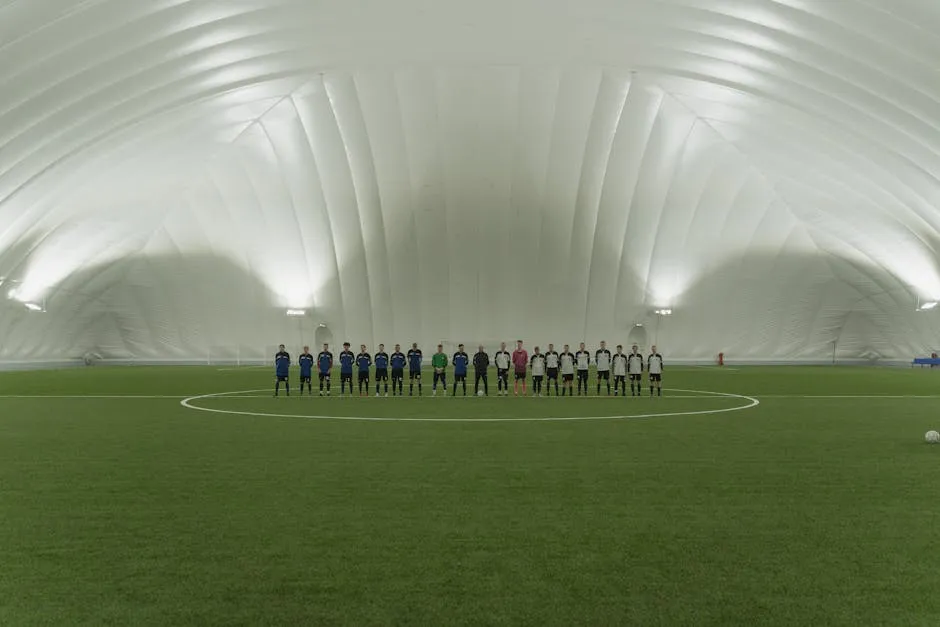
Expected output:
(175, 174)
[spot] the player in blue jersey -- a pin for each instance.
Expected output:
(414, 368)
(381, 369)
(306, 371)
(346, 361)
(398, 361)
(324, 367)
(461, 361)
(363, 360)
(281, 370)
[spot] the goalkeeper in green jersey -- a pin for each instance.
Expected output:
(439, 363)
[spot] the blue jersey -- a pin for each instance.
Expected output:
(346, 359)
(381, 361)
(282, 363)
(325, 362)
(461, 359)
(398, 361)
(414, 359)
(306, 365)
(363, 360)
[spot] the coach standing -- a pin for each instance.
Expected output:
(481, 361)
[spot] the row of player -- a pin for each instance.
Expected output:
(544, 367)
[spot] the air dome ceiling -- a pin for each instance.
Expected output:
(626, 154)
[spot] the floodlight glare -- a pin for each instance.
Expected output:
(928, 305)
(663, 312)
(33, 307)
(296, 313)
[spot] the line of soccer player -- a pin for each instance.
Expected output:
(544, 368)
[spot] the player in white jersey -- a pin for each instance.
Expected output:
(502, 359)
(654, 365)
(635, 368)
(602, 360)
(537, 362)
(582, 360)
(551, 370)
(566, 362)
(619, 365)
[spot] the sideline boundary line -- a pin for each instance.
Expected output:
(187, 403)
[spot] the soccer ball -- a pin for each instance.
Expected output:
(932, 437)
(479, 392)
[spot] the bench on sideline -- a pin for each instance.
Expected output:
(925, 361)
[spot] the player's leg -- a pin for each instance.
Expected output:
(659, 385)
(277, 385)
(607, 381)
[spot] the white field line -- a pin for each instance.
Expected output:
(187, 402)
(91, 396)
(473, 396)
(667, 395)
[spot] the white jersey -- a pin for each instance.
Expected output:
(620, 365)
(502, 360)
(635, 361)
(551, 360)
(567, 363)
(655, 363)
(538, 365)
(584, 359)
(602, 359)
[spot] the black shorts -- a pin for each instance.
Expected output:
(520, 376)
(363, 375)
(459, 377)
(656, 377)
(280, 378)
(502, 373)
(552, 373)
(582, 374)
(381, 374)
(345, 376)
(603, 375)
(398, 374)
(480, 374)
(304, 380)
(636, 377)
(538, 377)
(567, 376)
(324, 376)
(414, 374)
(440, 376)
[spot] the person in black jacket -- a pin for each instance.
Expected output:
(481, 361)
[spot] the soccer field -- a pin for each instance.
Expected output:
(816, 506)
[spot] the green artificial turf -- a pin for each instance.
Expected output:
(799, 511)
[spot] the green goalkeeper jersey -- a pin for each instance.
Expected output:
(439, 360)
